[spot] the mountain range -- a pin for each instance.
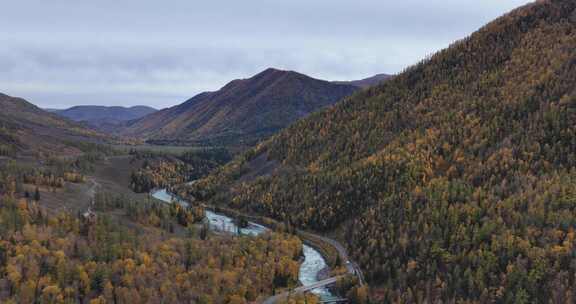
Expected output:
(451, 182)
(102, 117)
(242, 112)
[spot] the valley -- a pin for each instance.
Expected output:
(451, 181)
(103, 194)
(111, 182)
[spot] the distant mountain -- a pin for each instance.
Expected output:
(367, 82)
(102, 117)
(453, 182)
(27, 128)
(242, 112)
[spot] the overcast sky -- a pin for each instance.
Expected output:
(60, 53)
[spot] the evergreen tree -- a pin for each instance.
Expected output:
(37, 194)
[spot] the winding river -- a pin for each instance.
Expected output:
(313, 261)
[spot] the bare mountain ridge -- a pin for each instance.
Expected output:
(368, 82)
(243, 111)
(102, 117)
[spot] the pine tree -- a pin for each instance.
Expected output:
(204, 232)
(37, 194)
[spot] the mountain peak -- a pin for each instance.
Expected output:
(272, 73)
(244, 110)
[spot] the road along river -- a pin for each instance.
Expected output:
(313, 262)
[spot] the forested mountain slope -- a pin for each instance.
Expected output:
(243, 111)
(454, 180)
(25, 127)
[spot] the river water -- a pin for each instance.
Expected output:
(313, 261)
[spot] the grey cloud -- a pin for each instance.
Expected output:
(66, 52)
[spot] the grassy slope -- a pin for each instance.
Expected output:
(112, 175)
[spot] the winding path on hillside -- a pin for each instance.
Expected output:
(91, 192)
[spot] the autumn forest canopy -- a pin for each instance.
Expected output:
(451, 182)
